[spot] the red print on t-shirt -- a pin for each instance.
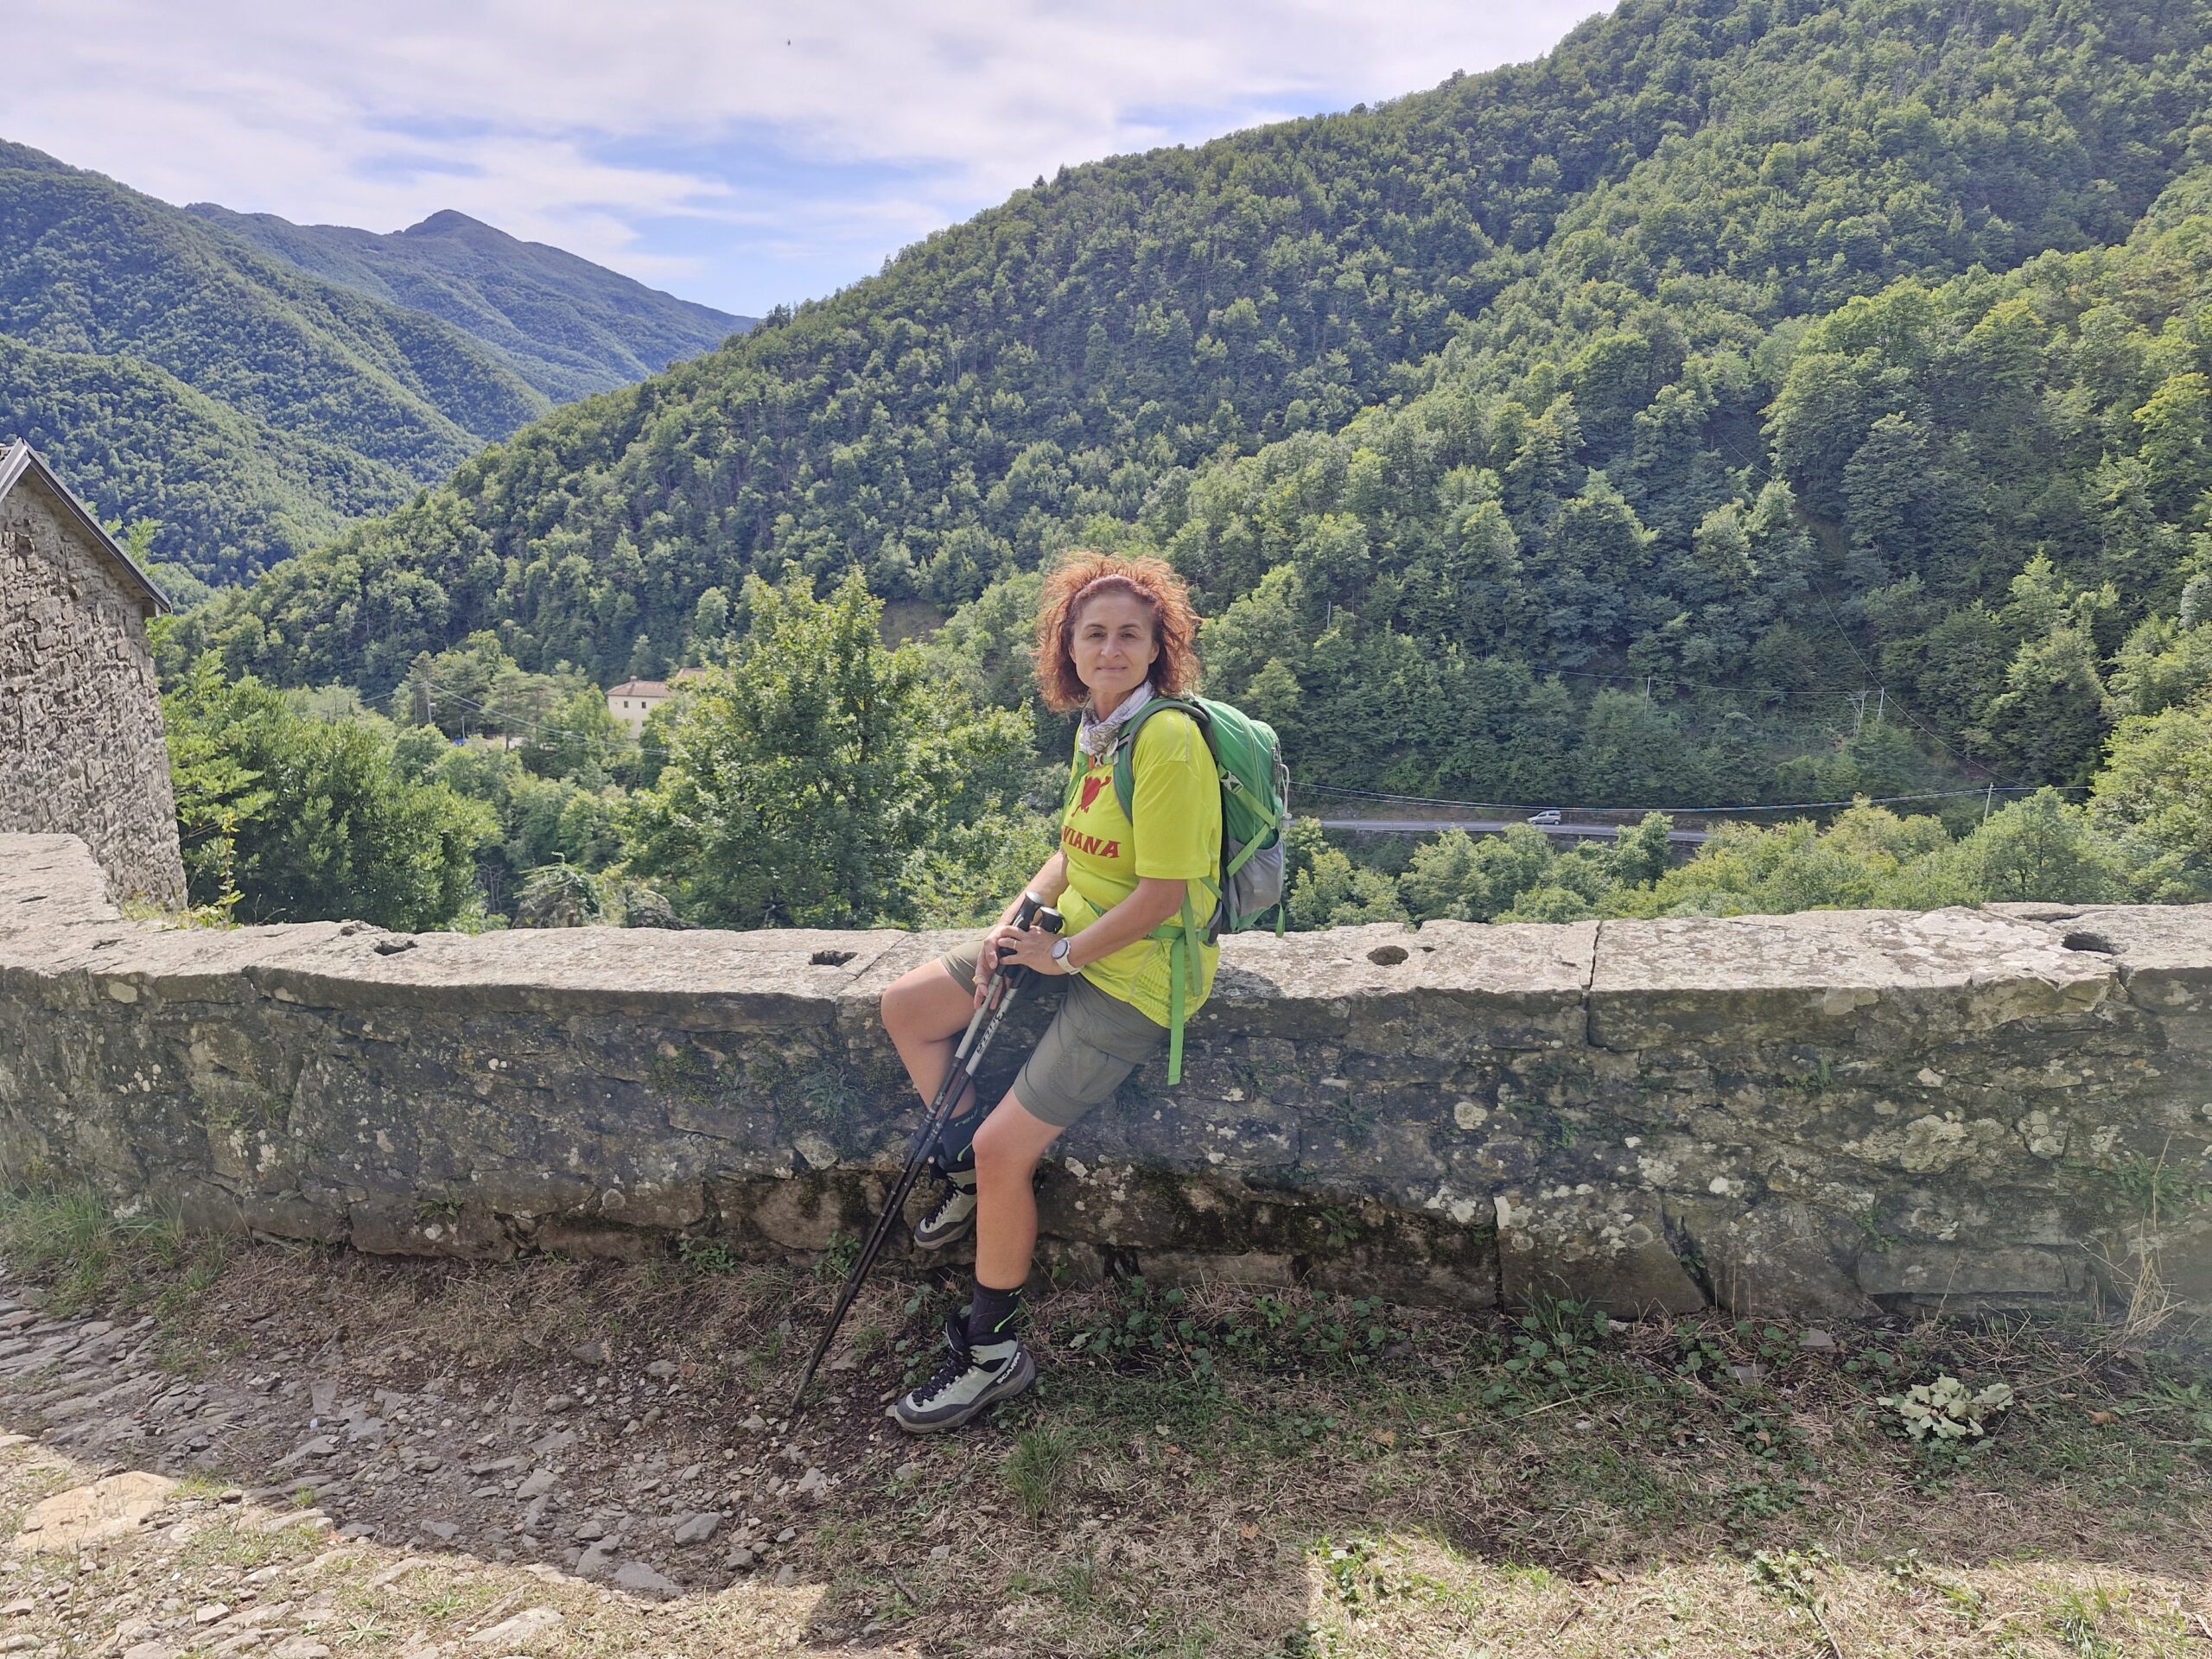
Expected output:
(1091, 785)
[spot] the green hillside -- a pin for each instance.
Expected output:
(568, 326)
(1593, 425)
(177, 372)
(271, 491)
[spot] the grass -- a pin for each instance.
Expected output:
(226, 1545)
(91, 1256)
(1216, 1470)
(1040, 1467)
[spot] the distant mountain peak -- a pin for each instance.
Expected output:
(568, 327)
(448, 221)
(252, 384)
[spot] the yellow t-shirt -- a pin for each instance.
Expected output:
(1175, 799)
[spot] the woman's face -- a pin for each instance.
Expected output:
(1113, 647)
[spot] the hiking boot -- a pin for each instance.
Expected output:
(974, 1375)
(955, 1215)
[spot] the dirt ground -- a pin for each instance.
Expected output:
(290, 1454)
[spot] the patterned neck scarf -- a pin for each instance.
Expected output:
(1097, 736)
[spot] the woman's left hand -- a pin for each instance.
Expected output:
(1031, 948)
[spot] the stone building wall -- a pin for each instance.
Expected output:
(1826, 1114)
(81, 745)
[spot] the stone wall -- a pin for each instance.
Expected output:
(1823, 1114)
(81, 747)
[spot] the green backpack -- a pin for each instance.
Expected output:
(1254, 807)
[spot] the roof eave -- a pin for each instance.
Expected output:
(20, 460)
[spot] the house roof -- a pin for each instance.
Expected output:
(19, 462)
(638, 689)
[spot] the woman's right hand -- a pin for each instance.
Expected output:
(987, 963)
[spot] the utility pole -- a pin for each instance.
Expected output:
(1988, 801)
(1882, 703)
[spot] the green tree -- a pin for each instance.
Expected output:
(322, 819)
(1631, 750)
(710, 618)
(964, 875)
(214, 788)
(2177, 446)
(579, 737)
(1473, 878)
(2047, 724)
(1443, 879)
(988, 647)
(800, 780)
(2041, 848)
(1551, 904)
(1642, 852)
(1333, 891)
(2164, 662)
(2157, 786)
(1746, 870)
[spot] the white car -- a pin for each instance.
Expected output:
(1549, 815)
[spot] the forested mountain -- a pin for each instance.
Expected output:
(568, 326)
(177, 372)
(1591, 426)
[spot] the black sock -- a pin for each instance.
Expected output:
(956, 1144)
(991, 1314)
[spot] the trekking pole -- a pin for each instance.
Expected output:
(1001, 992)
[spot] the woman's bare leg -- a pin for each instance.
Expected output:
(924, 1011)
(985, 1361)
(1007, 1148)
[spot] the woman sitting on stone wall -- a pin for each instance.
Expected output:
(1112, 633)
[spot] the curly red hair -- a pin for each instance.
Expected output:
(1081, 577)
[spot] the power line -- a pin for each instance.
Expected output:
(1780, 693)
(1868, 668)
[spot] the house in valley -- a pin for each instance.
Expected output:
(633, 700)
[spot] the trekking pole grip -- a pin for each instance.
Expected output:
(1044, 919)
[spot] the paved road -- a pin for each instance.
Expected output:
(1493, 827)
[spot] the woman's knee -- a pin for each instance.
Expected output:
(913, 1004)
(1011, 1144)
(896, 1008)
(1001, 1158)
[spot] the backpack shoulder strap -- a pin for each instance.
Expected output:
(1076, 768)
(1125, 750)
(1182, 934)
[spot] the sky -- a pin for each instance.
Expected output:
(740, 153)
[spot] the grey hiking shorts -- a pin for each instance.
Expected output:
(1094, 1040)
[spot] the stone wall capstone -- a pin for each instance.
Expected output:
(1823, 1115)
(82, 746)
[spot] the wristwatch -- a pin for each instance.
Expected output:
(1060, 949)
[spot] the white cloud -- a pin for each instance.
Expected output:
(593, 126)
